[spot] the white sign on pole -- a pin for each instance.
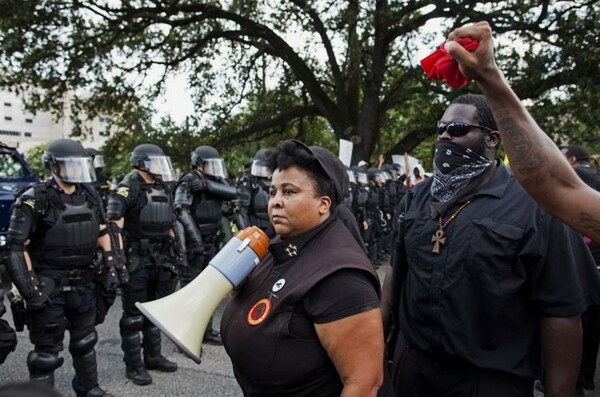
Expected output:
(346, 152)
(412, 163)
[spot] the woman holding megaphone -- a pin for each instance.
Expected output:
(307, 321)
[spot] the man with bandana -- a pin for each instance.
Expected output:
(488, 273)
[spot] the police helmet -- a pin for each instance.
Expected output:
(207, 159)
(96, 157)
(151, 158)
(359, 173)
(374, 174)
(67, 160)
(259, 164)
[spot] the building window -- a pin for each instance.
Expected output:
(27, 134)
(7, 118)
(29, 121)
(11, 133)
(7, 104)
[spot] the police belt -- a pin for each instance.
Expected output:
(68, 278)
(144, 245)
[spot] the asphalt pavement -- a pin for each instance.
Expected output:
(213, 377)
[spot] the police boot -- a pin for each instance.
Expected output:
(152, 357)
(42, 365)
(95, 391)
(132, 349)
(212, 336)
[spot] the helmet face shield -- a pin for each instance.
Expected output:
(351, 177)
(362, 178)
(160, 167)
(98, 161)
(74, 169)
(259, 168)
(214, 167)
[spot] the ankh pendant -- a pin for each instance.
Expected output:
(438, 238)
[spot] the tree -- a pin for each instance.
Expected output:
(353, 63)
(34, 158)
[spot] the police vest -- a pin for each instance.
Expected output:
(259, 205)
(155, 217)
(66, 234)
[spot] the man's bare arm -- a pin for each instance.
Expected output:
(536, 161)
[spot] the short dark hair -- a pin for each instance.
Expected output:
(484, 112)
(288, 153)
(577, 151)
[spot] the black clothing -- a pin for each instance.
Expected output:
(199, 208)
(268, 326)
(373, 235)
(453, 377)
(505, 264)
(255, 206)
(149, 215)
(344, 214)
(60, 291)
(590, 320)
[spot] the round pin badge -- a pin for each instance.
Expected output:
(259, 312)
(278, 285)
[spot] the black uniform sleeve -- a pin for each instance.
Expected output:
(555, 284)
(341, 294)
(22, 221)
(119, 203)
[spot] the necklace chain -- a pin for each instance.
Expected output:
(439, 237)
(453, 216)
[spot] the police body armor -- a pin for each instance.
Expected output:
(259, 206)
(68, 235)
(207, 212)
(155, 218)
(373, 201)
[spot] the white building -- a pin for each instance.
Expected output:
(22, 129)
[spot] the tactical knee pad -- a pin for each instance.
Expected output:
(131, 323)
(79, 347)
(42, 362)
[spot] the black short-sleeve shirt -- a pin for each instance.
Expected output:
(505, 264)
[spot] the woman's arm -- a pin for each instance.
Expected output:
(355, 345)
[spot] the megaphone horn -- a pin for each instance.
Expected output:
(184, 315)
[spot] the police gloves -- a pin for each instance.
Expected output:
(114, 271)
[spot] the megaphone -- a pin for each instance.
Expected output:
(184, 315)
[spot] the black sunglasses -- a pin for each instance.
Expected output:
(457, 128)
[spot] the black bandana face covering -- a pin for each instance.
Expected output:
(454, 166)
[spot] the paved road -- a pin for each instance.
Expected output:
(212, 378)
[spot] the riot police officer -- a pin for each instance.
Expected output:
(101, 183)
(55, 229)
(199, 198)
(254, 193)
(142, 209)
(374, 215)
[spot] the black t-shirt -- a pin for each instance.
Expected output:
(268, 327)
(341, 294)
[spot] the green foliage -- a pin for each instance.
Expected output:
(263, 71)
(34, 158)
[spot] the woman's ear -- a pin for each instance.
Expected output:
(324, 205)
